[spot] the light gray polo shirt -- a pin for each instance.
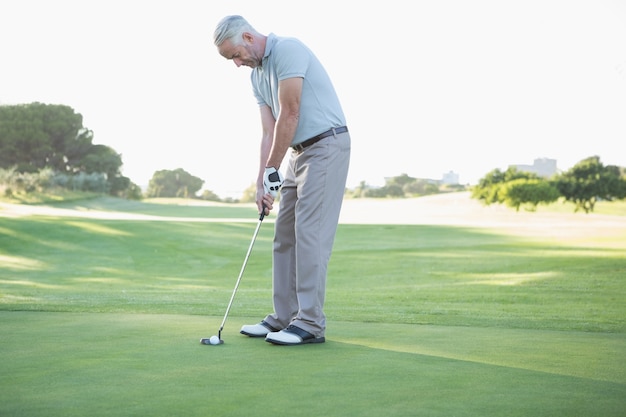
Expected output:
(320, 108)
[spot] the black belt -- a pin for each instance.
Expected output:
(335, 131)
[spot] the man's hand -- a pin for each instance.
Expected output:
(272, 181)
(265, 202)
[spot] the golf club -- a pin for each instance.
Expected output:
(217, 340)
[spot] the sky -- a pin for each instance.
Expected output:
(428, 87)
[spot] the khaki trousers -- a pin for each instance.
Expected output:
(305, 228)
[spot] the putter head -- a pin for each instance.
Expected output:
(207, 341)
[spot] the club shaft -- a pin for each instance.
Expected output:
(243, 268)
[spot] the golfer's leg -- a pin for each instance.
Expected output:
(284, 257)
(321, 173)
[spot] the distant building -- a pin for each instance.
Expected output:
(451, 178)
(544, 167)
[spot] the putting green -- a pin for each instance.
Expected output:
(81, 364)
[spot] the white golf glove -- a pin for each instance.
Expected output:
(272, 181)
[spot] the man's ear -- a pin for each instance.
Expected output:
(247, 37)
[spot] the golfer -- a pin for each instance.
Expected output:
(300, 114)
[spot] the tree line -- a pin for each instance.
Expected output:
(586, 183)
(45, 146)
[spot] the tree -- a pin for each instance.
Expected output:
(490, 188)
(420, 187)
(529, 191)
(209, 195)
(589, 181)
(102, 158)
(359, 191)
(393, 190)
(131, 192)
(400, 180)
(249, 194)
(37, 136)
(176, 183)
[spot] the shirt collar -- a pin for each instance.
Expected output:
(269, 44)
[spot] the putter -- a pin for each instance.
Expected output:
(213, 340)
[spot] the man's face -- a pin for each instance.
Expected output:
(241, 54)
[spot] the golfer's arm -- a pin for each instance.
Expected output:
(267, 125)
(289, 93)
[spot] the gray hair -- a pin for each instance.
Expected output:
(232, 27)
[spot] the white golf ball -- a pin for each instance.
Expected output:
(214, 340)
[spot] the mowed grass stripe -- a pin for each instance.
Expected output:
(395, 274)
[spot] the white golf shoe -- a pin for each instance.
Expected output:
(293, 335)
(257, 330)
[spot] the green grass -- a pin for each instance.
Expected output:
(103, 317)
(49, 196)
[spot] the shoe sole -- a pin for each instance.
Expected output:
(253, 335)
(303, 342)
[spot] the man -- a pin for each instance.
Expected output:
(299, 110)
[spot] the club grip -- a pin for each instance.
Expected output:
(262, 215)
